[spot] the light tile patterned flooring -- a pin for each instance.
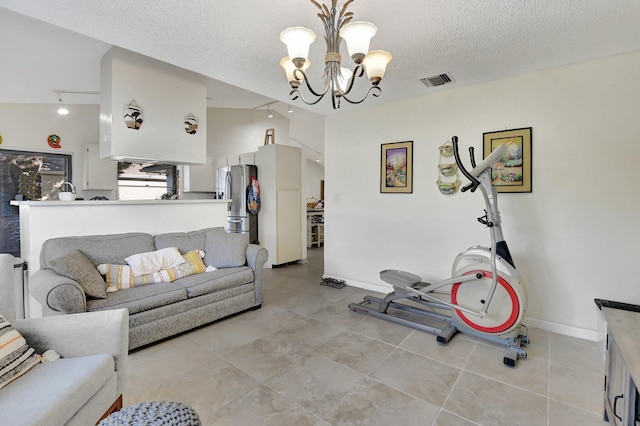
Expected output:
(305, 359)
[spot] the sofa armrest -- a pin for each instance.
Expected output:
(57, 294)
(256, 258)
(89, 333)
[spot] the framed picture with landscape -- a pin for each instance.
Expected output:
(512, 173)
(396, 167)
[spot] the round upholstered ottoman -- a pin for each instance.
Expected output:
(154, 413)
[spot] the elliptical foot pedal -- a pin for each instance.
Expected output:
(397, 278)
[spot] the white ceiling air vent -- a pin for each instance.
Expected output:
(437, 80)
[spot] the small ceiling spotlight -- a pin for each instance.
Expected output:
(269, 113)
(290, 110)
(62, 109)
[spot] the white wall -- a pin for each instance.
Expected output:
(574, 238)
(315, 173)
(236, 131)
(27, 126)
(166, 95)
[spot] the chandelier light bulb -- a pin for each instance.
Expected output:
(358, 36)
(376, 65)
(344, 77)
(298, 40)
(293, 78)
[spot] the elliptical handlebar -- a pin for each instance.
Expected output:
(474, 182)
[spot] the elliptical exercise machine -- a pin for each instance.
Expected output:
(484, 297)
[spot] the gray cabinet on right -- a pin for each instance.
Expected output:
(622, 367)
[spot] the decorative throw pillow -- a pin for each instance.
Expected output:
(193, 264)
(119, 277)
(226, 250)
(154, 261)
(16, 357)
(77, 266)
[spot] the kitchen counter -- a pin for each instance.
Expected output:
(41, 220)
(112, 202)
(624, 326)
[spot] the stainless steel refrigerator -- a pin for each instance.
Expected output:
(237, 180)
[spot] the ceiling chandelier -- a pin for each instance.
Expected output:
(338, 80)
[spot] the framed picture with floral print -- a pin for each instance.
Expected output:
(512, 173)
(396, 167)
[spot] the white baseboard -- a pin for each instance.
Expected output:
(567, 330)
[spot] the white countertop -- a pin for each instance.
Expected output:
(110, 202)
(624, 326)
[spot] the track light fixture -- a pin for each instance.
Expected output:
(62, 109)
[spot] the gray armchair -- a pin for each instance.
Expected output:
(81, 387)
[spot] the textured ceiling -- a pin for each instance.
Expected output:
(236, 44)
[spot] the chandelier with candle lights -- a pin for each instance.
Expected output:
(337, 80)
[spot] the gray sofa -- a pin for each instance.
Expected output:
(160, 310)
(81, 387)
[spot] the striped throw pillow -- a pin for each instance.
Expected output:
(119, 277)
(16, 357)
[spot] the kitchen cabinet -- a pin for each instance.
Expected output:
(248, 158)
(199, 178)
(622, 367)
(281, 215)
(98, 174)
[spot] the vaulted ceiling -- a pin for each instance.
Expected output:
(48, 46)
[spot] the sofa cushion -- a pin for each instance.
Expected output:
(77, 266)
(225, 250)
(111, 248)
(140, 298)
(218, 280)
(53, 392)
(154, 261)
(16, 356)
(184, 241)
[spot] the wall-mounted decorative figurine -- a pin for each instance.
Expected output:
(448, 181)
(190, 124)
(54, 141)
(133, 115)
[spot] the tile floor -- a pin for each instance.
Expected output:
(305, 359)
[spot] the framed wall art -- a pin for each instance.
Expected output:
(512, 173)
(396, 167)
